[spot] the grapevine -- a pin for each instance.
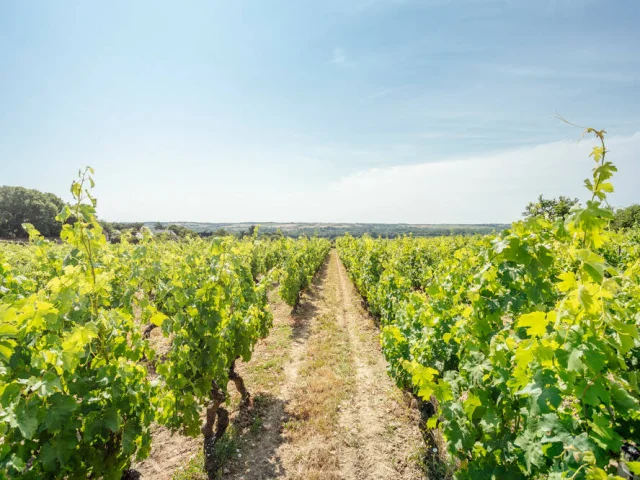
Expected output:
(526, 342)
(80, 385)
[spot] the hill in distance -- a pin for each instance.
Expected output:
(333, 230)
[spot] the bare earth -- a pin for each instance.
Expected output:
(324, 406)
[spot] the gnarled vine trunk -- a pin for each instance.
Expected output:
(218, 417)
(213, 411)
(239, 383)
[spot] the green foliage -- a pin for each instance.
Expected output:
(74, 397)
(116, 231)
(209, 305)
(79, 383)
(625, 218)
(19, 205)
(550, 208)
(528, 341)
(292, 262)
(304, 258)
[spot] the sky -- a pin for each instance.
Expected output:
(434, 111)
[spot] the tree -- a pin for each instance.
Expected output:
(550, 208)
(626, 217)
(20, 205)
(248, 233)
(181, 231)
(115, 230)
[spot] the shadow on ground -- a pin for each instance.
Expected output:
(250, 450)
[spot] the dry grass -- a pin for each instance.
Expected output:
(266, 371)
(324, 381)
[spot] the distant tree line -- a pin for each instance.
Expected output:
(20, 205)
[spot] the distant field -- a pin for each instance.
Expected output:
(333, 230)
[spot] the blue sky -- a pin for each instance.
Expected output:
(377, 111)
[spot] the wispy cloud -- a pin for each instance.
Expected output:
(475, 189)
(558, 73)
(468, 189)
(488, 139)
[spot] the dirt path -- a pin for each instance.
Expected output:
(335, 412)
(382, 429)
(323, 405)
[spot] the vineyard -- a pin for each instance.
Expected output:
(80, 385)
(522, 347)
